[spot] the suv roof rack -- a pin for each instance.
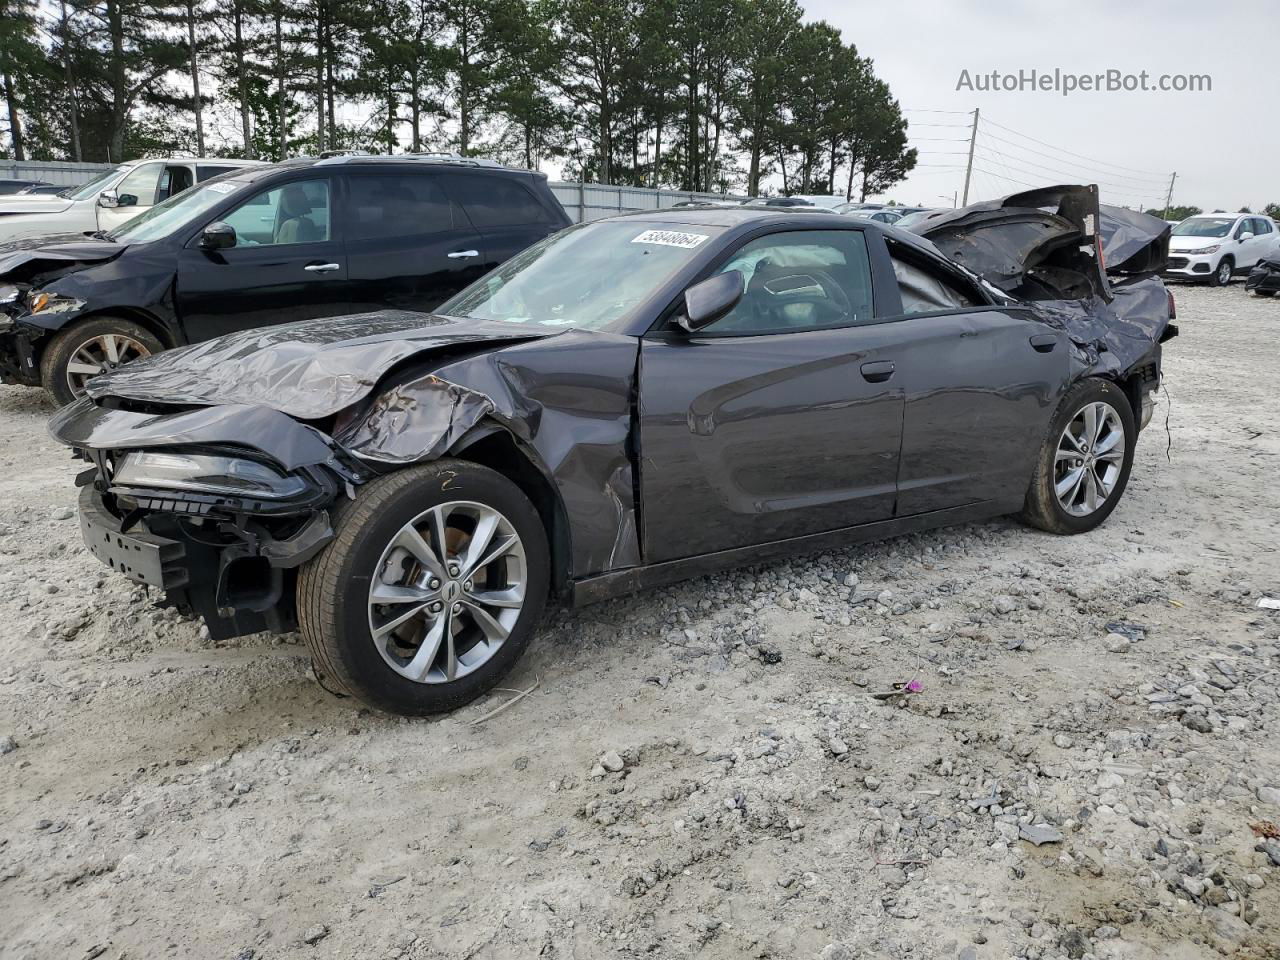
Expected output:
(334, 157)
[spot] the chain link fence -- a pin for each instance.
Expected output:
(582, 201)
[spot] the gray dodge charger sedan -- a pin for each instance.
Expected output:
(627, 403)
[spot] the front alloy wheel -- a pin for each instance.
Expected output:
(447, 592)
(430, 590)
(91, 347)
(100, 354)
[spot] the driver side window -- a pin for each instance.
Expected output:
(292, 213)
(800, 280)
(140, 184)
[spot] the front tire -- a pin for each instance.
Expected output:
(1264, 293)
(430, 590)
(1084, 462)
(88, 348)
(1222, 273)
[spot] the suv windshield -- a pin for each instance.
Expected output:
(162, 219)
(1204, 227)
(589, 277)
(87, 190)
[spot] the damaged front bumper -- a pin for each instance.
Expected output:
(228, 558)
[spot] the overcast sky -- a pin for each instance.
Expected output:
(1224, 144)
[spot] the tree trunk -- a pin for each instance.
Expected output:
(415, 107)
(282, 93)
(71, 85)
(658, 123)
(322, 55)
(11, 101)
(119, 89)
(195, 76)
(391, 117)
(242, 82)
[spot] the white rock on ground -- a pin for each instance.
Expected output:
(122, 828)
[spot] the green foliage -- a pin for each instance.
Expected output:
(699, 94)
(1174, 213)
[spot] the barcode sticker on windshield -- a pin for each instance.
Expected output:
(222, 187)
(670, 238)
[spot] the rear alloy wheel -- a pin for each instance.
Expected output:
(1222, 274)
(430, 591)
(90, 348)
(1084, 462)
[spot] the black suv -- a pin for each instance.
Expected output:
(262, 245)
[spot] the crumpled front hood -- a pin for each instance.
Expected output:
(310, 369)
(23, 258)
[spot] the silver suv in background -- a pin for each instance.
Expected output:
(108, 200)
(1215, 246)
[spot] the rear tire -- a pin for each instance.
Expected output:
(450, 628)
(1222, 272)
(102, 342)
(1079, 479)
(1264, 293)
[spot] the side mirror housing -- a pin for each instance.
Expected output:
(218, 236)
(1245, 236)
(108, 198)
(711, 300)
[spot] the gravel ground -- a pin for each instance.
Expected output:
(1090, 767)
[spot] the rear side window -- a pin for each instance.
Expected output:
(397, 205)
(205, 171)
(924, 290)
(492, 201)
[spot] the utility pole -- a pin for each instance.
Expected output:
(1168, 200)
(968, 170)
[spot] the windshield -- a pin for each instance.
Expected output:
(179, 210)
(1204, 227)
(87, 190)
(588, 277)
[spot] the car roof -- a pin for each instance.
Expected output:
(214, 161)
(399, 161)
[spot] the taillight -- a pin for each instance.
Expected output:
(1173, 307)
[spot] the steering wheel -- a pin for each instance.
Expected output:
(783, 291)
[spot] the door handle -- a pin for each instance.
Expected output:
(321, 267)
(878, 371)
(1044, 342)
(463, 254)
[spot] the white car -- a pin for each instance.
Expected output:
(1214, 246)
(108, 200)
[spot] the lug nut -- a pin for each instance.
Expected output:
(453, 569)
(457, 608)
(435, 584)
(468, 586)
(436, 607)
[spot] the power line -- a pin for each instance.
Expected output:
(1050, 156)
(1081, 156)
(1020, 164)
